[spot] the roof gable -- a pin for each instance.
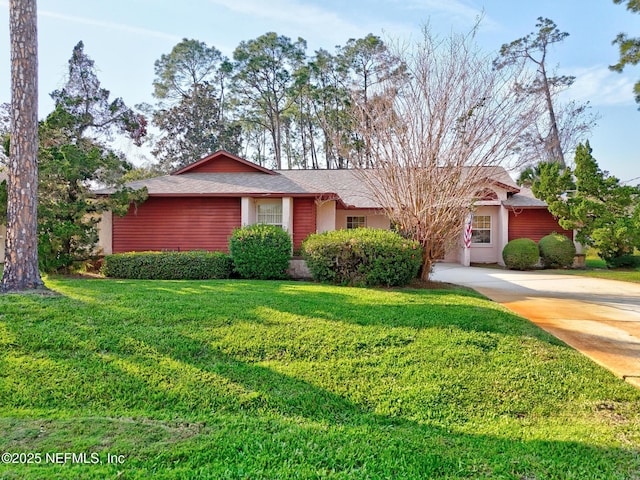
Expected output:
(223, 162)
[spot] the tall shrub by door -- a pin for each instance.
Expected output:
(260, 251)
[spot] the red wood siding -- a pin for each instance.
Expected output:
(224, 165)
(177, 224)
(534, 224)
(304, 219)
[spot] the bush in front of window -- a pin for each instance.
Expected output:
(364, 257)
(521, 254)
(260, 251)
(556, 251)
(193, 265)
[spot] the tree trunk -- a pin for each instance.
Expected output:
(556, 147)
(427, 265)
(21, 254)
(276, 137)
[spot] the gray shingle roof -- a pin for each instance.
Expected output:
(219, 183)
(341, 183)
(344, 184)
(524, 199)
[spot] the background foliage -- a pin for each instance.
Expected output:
(604, 212)
(73, 158)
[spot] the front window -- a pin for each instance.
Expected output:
(356, 222)
(270, 213)
(481, 229)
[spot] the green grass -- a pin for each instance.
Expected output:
(597, 268)
(253, 380)
(617, 274)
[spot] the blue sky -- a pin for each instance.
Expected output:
(125, 37)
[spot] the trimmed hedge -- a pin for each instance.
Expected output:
(521, 254)
(556, 251)
(624, 261)
(260, 251)
(193, 265)
(362, 256)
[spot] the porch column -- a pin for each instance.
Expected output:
(105, 233)
(326, 216)
(503, 232)
(465, 240)
(287, 215)
(247, 211)
(466, 256)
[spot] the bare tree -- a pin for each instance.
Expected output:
(561, 126)
(438, 136)
(575, 122)
(21, 253)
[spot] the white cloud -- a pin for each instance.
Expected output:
(309, 17)
(454, 7)
(459, 11)
(601, 87)
(109, 25)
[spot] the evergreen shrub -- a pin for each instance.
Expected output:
(260, 251)
(192, 265)
(362, 256)
(521, 254)
(624, 261)
(556, 251)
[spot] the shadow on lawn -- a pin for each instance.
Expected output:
(416, 309)
(313, 425)
(255, 421)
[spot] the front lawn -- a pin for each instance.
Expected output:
(253, 380)
(597, 268)
(623, 275)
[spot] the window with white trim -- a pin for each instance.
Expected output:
(481, 229)
(270, 213)
(356, 222)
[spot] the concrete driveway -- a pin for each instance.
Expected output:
(600, 318)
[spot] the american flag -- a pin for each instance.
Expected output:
(467, 231)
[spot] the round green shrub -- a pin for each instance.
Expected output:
(556, 251)
(260, 251)
(362, 256)
(521, 254)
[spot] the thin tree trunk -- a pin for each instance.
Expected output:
(312, 148)
(556, 148)
(21, 254)
(277, 138)
(328, 156)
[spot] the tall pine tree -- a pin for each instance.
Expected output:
(21, 253)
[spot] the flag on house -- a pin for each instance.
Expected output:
(468, 229)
